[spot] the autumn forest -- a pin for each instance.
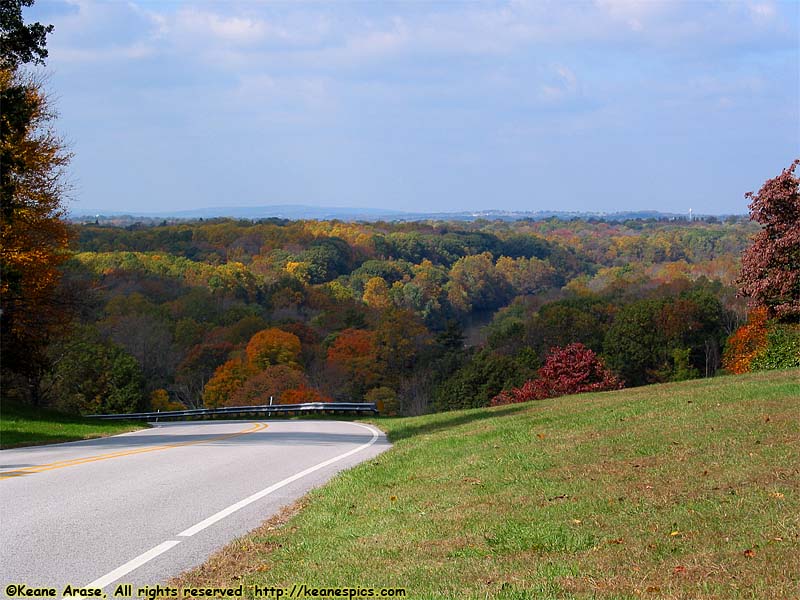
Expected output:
(417, 317)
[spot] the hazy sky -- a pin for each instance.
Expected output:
(604, 105)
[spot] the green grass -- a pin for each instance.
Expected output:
(25, 426)
(686, 490)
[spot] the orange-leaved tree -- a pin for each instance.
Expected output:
(227, 380)
(33, 234)
(303, 394)
(273, 382)
(273, 346)
(354, 354)
(747, 342)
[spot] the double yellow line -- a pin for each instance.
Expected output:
(80, 461)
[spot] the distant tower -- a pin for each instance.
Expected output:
(690, 214)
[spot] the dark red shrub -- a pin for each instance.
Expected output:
(573, 369)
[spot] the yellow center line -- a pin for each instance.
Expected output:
(79, 461)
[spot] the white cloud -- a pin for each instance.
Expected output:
(94, 32)
(235, 30)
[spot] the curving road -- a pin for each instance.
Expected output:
(144, 506)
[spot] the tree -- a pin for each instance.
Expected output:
(19, 43)
(564, 322)
(376, 293)
(771, 265)
(226, 381)
(149, 341)
(92, 376)
(159, 401)
(327, 258)
(634, 346)
(272, 381)
(746, 343)
(273, 346)
(33, 236)
(196, 369)
(354, 354)
(476, 284)
(479, 380)
(526, 275)
(400, 338)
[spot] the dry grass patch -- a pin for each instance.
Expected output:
(245, 556)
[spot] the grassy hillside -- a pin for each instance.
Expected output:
(24, 426)
(687, 490)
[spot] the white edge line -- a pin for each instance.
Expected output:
(276, 486)
(132, 564)
(137, 562)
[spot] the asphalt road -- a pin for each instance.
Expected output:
(145, 506)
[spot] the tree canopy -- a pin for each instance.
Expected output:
(19, 43)
(33, 235)
(771, 265)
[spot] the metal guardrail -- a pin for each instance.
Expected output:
(266, 409)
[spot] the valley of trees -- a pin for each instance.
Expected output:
(418, 317)
(415, 316)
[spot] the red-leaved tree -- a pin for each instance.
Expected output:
(573, 369)
(771, 265)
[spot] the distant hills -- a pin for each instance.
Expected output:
(324, 213)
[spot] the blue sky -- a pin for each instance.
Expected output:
(605, 105)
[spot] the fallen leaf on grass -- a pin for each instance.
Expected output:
(749, 553)
(679, 570)
(560, 497)
(675, 533)
(541, 436)
(776, 495)
(616, 541)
